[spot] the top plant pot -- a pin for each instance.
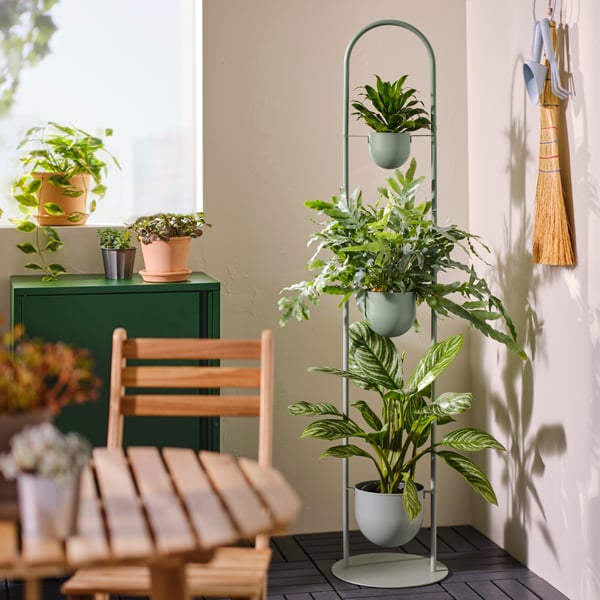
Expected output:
(389, 150)
(73, 207)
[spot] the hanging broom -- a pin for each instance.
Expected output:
(552, 241)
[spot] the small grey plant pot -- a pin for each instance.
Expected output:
(118, 263)
(381, 517)
(390, 313)
(389, 150)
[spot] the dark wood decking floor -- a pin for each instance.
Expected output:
(301, 570)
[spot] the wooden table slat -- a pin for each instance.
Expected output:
(172, 532)
(128, 533)
(247, 510)
(8, 542)
(282, 501)
(211, 523)
(89, 544)
(42, 550)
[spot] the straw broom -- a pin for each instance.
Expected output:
(552, 241)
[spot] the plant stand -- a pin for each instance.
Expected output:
(387, 569)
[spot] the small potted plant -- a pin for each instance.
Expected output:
(118, 255)
(47, 465)
(38, 378)
(389, 509)
(393, 248)
(393, 112)
(165, 241)
(59, 165)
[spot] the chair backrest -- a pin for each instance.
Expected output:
(240, 370)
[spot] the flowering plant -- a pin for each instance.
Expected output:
(45, 451)
(39, 375)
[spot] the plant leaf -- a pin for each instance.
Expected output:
(474, 476)
(332, 429)
(346, 451)
(304, 408)
(471, 440)
(410, 499)
(434, 361)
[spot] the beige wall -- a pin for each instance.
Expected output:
(273, 140)
(545, 412)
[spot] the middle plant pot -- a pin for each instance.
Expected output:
(381, 517)
(390, 313)
(74, 207)
(118, 262)
(166, 261)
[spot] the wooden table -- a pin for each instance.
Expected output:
(157, 508)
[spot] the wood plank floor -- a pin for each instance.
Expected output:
(301, 570)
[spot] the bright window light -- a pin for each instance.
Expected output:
(133, 66)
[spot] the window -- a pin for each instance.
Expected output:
(133, 66)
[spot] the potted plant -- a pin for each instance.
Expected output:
(393, 112)
(394, 246)
(37, 378)
(59, 163)
(118, 255)
(47, 465)
(397, 437)
(166, 240)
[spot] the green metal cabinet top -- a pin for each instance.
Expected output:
(97, 284)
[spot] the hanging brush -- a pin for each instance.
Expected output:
(552, 239)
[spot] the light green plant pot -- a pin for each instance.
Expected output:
(381, 517)
(390, 313)
(389, 150)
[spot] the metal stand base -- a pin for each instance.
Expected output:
(389, 570)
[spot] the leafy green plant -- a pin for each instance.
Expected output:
(391, 107)
(400, 436)
(40, 375)
(114, 239)
(64, 152)
(395, 246)
(164, 226)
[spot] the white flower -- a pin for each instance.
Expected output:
(44, 450)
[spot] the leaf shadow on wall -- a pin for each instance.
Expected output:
(519, 279)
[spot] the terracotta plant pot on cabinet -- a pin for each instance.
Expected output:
(166, 261)
(166, 242)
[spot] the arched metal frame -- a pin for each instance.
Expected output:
(370, 570)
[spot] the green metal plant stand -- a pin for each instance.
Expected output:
(388, 569)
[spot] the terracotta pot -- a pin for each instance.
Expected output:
(72, 207)
(166, 261)
(10, 424)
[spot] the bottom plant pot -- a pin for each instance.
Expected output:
(390, 313)
(118, 263)
(48, 508)
(381, 517)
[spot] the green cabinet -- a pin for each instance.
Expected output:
(84, 310)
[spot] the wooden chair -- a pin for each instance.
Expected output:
(239, 572)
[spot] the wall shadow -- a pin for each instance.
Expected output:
(518, 279)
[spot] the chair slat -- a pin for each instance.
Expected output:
(191, 377)
(42, 550)
(90, 543)
(169, 523)
(211, 523)
(245, 507)
(188, 406)
(192, 349)
(128, 532)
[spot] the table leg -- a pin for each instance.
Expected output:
(33, 589)
(168, 582)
